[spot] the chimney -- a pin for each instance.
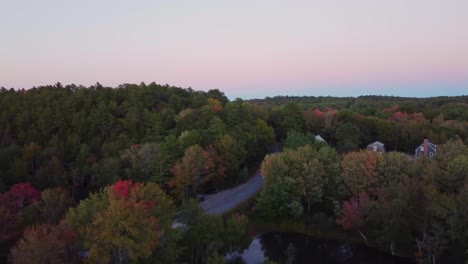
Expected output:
(426, 147)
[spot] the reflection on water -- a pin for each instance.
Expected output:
(298, 248)
(254, 253)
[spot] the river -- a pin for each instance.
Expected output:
(298, 248)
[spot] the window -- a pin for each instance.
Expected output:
(422, 148)
(431, 154)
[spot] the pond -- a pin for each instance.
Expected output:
(298, 248)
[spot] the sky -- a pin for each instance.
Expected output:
(247, 49)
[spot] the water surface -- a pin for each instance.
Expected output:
(298, 248)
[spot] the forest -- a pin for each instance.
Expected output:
(102, 173)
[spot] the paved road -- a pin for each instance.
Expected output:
(226, 200)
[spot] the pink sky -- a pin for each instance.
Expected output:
(244, 48)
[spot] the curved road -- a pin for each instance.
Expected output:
(226, 200)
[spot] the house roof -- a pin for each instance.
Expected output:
(376, 146)
(431, 145)
(378, 143)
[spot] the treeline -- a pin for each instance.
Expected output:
(416, 207)
(450, 106)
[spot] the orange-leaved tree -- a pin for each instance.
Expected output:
(194, 169)
(124, 223)
(359, 171)
(46, 244)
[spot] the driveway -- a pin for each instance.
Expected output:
(227, 200)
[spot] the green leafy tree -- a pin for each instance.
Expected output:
(53, 174)
(235, 232)
(347, 138)
(393, 167)
(456, 176)
(284, 182)
(390, 218)
(54, 204)
(295, 140)
(215, 258)
(333, 188)
(292, 118)
(204, 237)
(314, 181)
(105, 172)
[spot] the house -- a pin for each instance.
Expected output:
(318, 138)
(377, 147)
(426, 149)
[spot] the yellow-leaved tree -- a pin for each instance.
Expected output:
(124, 223)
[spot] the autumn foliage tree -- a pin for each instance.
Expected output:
(123, 223)
(359, 171)
(45, 243)
(354, 213)
(218, 174)
(12, 203)
(233, 155)
(22, 195)
(313, 119)
(194, 169)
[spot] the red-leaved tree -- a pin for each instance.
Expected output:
(11, 204)
(23, 194)
(354, 212)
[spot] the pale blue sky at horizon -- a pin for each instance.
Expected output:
(247, 49)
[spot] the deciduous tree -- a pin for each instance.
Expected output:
(354, 213)
(393, 167)
(235, 232)
(359, 171)
(54, 204)
(192, 171)
(46, 244)
(126, 222)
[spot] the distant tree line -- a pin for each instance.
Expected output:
(350, 124)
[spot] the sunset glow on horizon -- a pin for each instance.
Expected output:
(247, 49)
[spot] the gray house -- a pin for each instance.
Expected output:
(377, 147)
(426, 149)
